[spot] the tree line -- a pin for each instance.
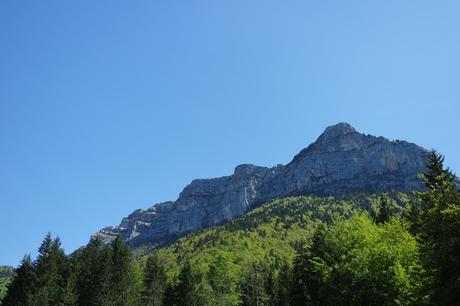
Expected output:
(377, 258)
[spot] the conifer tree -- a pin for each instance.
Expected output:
(439, 231)
(50, 266)
(169, 296)
(283, 286)
(21, 290)
(185, 287)
(154, 281)
(300, 278)
(437, 175)
(384, 210)
(93, 264)
(254, 286)
(121, 275)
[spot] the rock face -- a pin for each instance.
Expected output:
(340, 161)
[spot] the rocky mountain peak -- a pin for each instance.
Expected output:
(336, 130)
(341, 161)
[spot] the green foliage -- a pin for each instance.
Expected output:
(21, 290)
(254, 286)
(384, 210)
(6, 274)
(185, 292)
(223, 280)
(360, 263)
(154, 280)
(438, 228)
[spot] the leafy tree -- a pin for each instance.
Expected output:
(223, 279)
(21, 289)
(154, 280)
(360, 263)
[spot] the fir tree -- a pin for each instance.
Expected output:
(169, 296)
(437, 176)
(121, 275)
(93, 264)
(21, 290)
(254, 287)
(283, 286)
(184, 294)
(154, 281)
(384, 211)
(439, 231)
(50, 266)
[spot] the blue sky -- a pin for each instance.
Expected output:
(110, 106)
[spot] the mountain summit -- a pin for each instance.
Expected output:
(340, 161)
(337, 130)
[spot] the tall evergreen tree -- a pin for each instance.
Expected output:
(169, 296)
(439, 231)
(437, 175)
(93, 265)
(50, 267)
(22, 289)
(283, 285)
(121, 275)
(300, 278)
(154, 280)
(254, 286)
(185, 287)
(384, 210)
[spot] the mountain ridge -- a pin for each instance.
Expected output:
(341, 160)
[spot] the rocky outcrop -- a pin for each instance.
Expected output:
(340, 161)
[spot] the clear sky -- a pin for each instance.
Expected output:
(110, 106)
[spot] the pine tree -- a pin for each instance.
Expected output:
(185, 287)
(93, 265)
(154, 280)
(21, 290)
(121, 274)
(437, 176)
(300, 278)
(254, 287)
(282, 297)
(384, 211)
(50, 267)
(439, 231)
(169, 296)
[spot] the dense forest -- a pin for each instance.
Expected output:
(362, 249)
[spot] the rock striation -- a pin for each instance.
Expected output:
(340, 161)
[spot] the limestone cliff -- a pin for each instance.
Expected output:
(340, 161)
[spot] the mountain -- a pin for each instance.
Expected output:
(339, 162)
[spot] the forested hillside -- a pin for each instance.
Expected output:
(363, 249)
